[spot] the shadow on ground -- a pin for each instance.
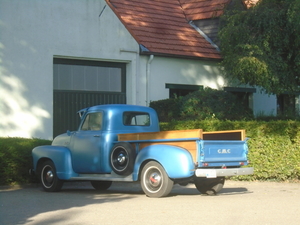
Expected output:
(18, 205)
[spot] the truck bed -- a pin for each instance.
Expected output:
(189, 140)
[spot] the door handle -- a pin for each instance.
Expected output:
(96, 135)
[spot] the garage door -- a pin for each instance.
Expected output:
(79, 84)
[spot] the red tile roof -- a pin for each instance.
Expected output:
(162, 25)
(203, 9)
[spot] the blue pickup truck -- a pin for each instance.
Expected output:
(124, 143)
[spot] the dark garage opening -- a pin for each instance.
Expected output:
(81, 83)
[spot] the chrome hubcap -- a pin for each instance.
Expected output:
(49, 176)
(155, 179)
(121, 158)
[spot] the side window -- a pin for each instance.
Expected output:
(93, 121)
(136, 119)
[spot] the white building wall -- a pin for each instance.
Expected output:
(264, 105)
(177, 71)
(35, 31)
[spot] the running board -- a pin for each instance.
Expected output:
(109, 177)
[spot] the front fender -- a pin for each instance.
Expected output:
(60, 156)
(177, 162)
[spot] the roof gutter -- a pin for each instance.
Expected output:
(204, 35)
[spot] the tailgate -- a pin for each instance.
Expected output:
(222, 153)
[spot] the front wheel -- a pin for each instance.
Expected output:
(49, 179)
(155, 181)
(209, 186)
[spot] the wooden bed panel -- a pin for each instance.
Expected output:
(173, 134)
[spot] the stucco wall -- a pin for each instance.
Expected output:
(264, 105)
(178, 71)
(35, 31)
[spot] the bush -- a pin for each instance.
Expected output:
(203, 104)
(274, 158)
(167, 109)
(16, 159)
(211, 103)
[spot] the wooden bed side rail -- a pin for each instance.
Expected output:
(239, 135)
(172, 134)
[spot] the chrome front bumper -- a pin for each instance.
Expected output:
(213, 173)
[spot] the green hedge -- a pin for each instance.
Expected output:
(16, 160)
(274, 149)
(274, 146)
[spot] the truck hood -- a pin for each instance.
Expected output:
(62, 140)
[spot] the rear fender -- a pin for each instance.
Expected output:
(177, 162)
(60, 156)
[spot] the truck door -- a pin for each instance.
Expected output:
(86, 144)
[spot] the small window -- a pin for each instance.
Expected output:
(177, 90)
(244, 95)
(286, 104)
(136, 119)
(93, 121)
(85, 75)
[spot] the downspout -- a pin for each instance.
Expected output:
(148, 73)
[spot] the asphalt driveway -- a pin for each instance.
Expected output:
(125, 203)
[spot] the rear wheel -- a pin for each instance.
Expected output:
(49, 179)
(101, 185)
(155, 181)
(209, 186)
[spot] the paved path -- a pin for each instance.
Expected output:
(124, 203)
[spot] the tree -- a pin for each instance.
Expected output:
(261, 46)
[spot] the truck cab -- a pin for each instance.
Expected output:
(98, 131)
